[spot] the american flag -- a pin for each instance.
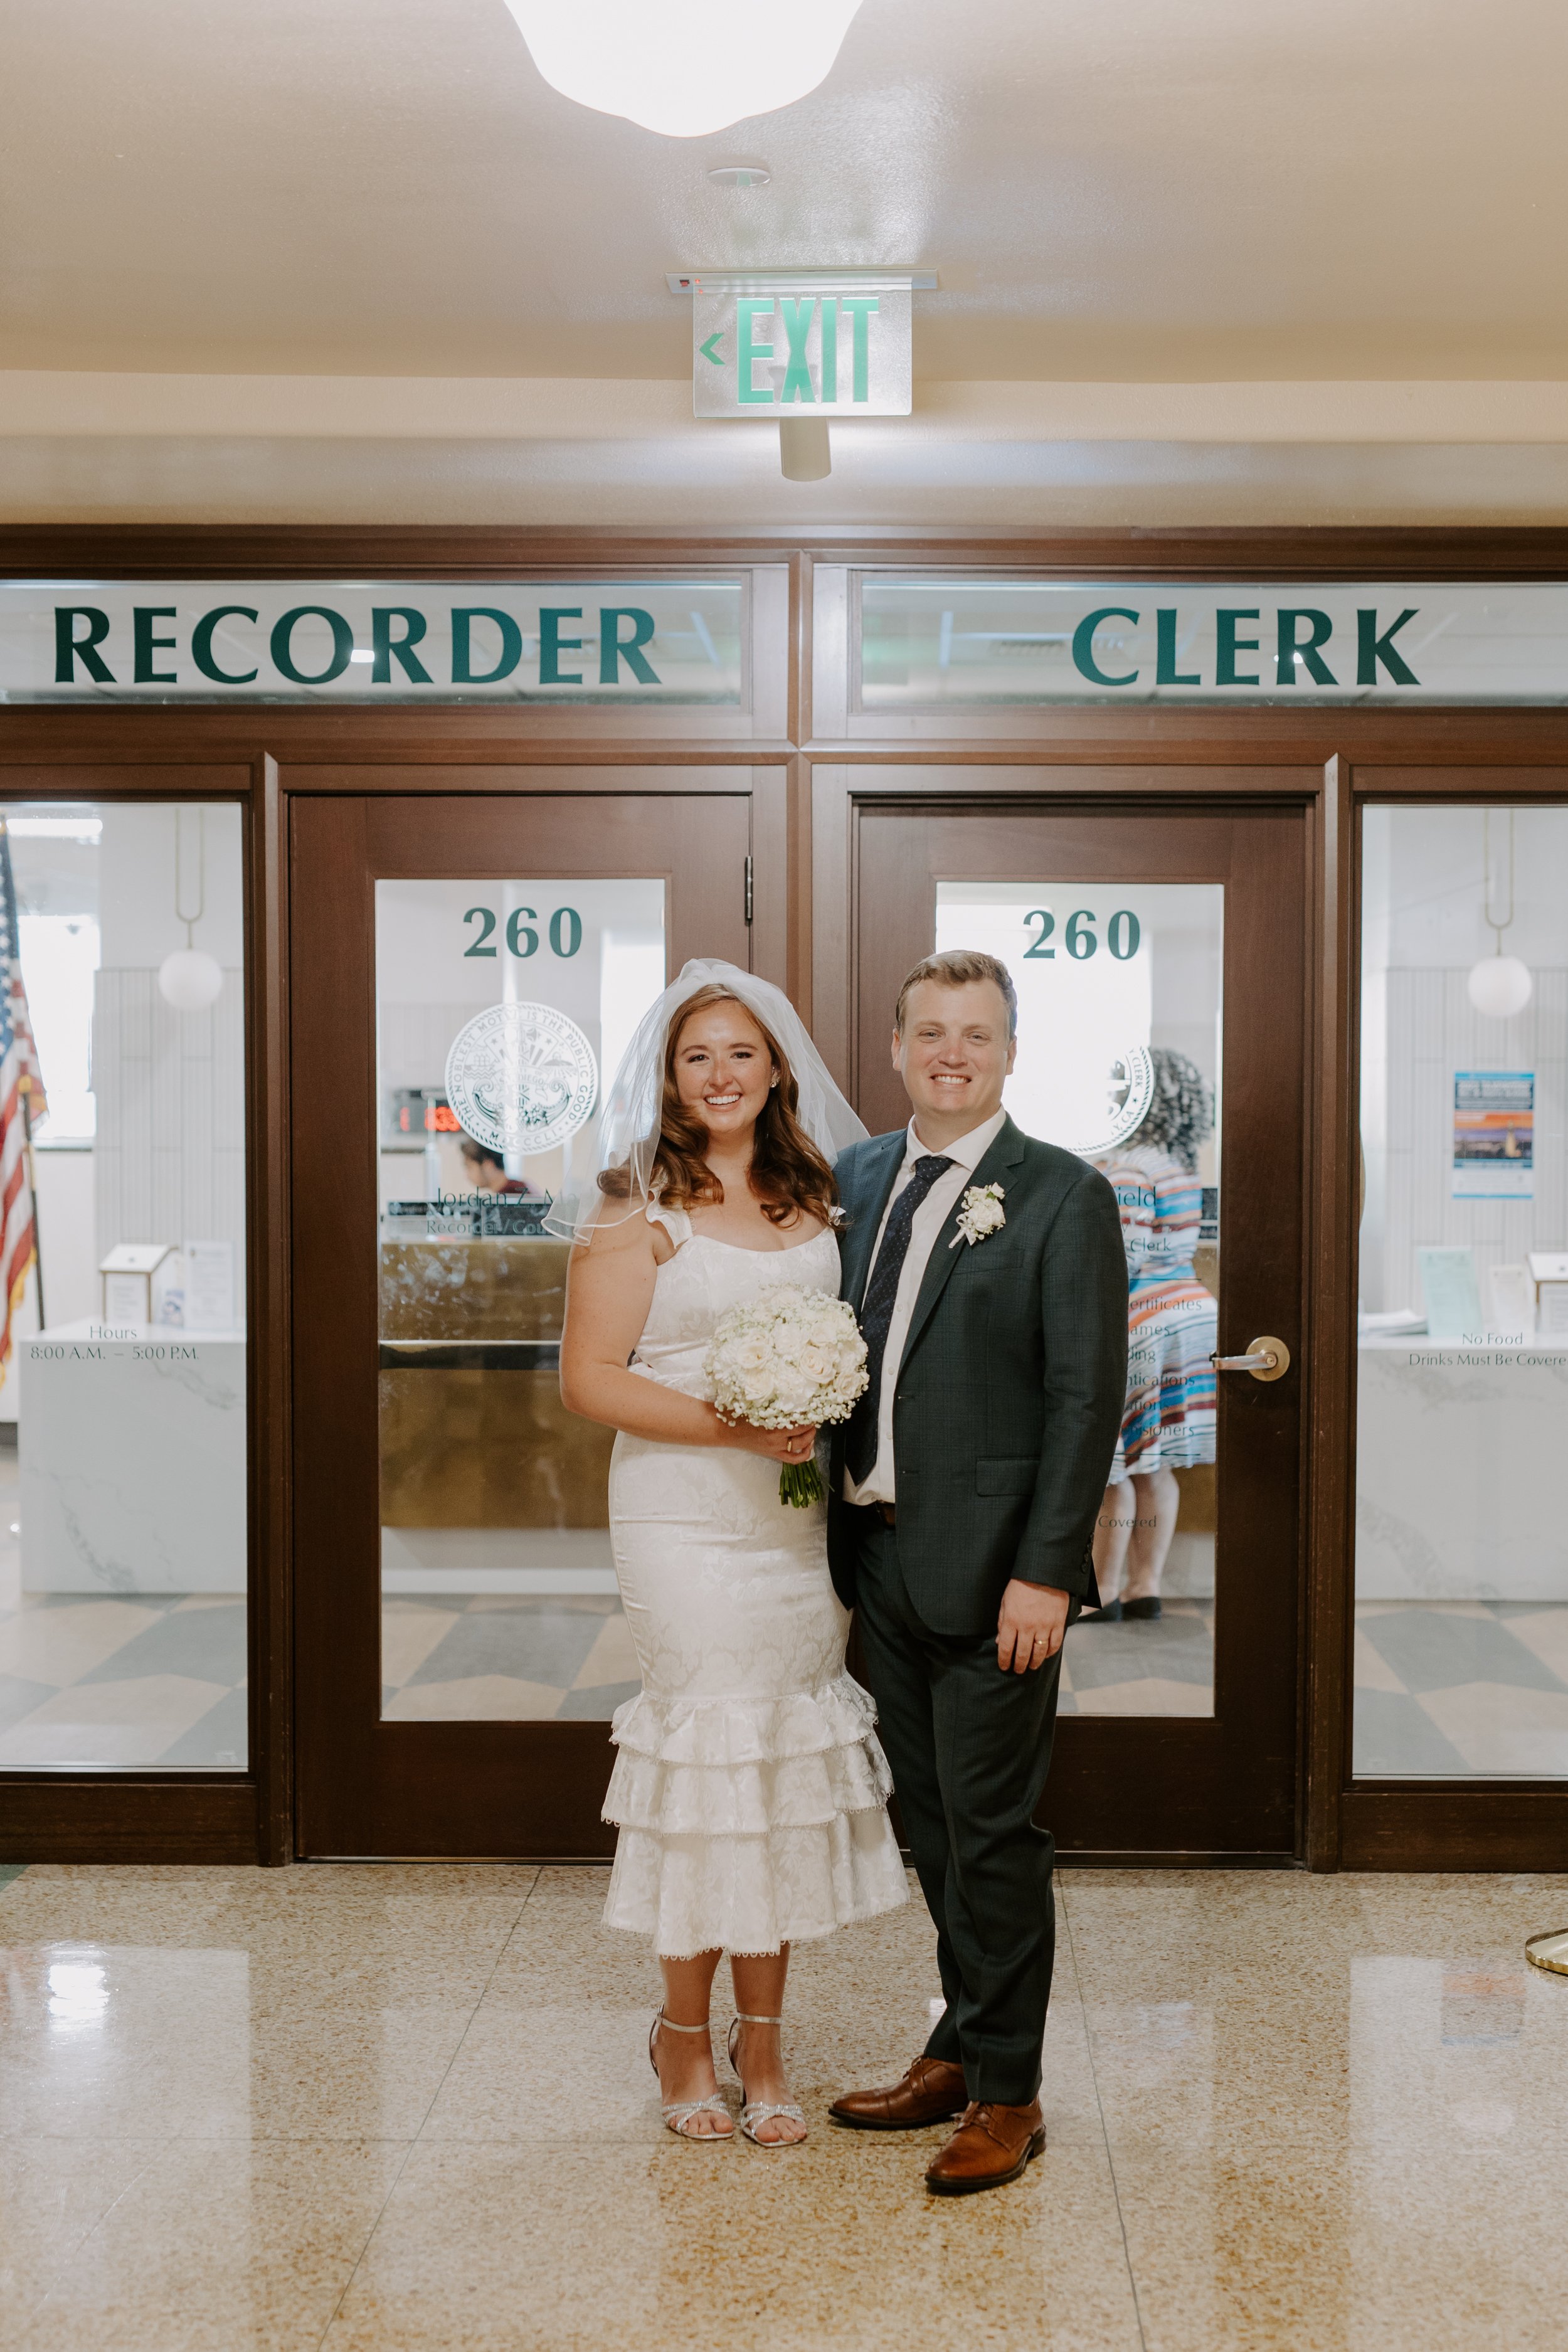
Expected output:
(21, 1103)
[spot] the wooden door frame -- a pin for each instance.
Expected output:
(1343, 762)
(1356, 755)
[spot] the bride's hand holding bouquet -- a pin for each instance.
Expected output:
(784, 1362)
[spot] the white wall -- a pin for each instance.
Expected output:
(136, 883)
(1422, 929)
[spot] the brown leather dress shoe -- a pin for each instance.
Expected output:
(932, 2091)
(990, 2147)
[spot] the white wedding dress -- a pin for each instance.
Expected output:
(750, 1789)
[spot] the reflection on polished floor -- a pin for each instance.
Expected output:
(409, 2106)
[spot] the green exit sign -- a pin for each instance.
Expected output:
(806, 349)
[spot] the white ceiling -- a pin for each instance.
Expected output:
(1200, 260)
(1161, 190)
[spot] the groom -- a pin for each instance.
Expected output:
(989, 1276)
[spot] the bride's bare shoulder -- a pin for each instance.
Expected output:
(621, 1235)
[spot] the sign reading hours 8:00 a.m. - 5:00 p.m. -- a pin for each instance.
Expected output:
(602, 641)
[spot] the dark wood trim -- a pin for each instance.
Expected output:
(122, 1817)
(287, 550)
(272, 1699)
(1338, 757)
(771, 878)
(1414, 739)
(1329, 1427)
(1444, 1825)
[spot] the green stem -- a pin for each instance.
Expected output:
(799, 1483)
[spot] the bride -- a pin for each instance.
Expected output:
(748, 1788)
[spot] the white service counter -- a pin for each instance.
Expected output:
(1459, 1486)
(133, 1461)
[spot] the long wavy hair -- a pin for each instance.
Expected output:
(1181, 1115)
(787, 1175)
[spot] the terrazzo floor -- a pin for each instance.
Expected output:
(408, 2109)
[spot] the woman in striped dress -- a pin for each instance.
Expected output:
(1172, 1321)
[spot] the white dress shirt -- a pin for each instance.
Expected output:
(967, 1155)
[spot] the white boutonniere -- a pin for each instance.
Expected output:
(980, 1214)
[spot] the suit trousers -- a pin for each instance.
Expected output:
(970, 1747)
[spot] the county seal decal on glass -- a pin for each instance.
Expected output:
(522, 1077)
(1129, 1091)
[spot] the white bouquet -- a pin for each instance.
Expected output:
(786, 1358)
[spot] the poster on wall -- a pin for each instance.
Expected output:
(1494, 1135)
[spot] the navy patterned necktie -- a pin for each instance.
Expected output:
(877, 1313)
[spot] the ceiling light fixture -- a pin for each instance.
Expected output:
(687, 67)
(1499, 985)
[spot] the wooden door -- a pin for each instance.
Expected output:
(459, 1644)
(1179, 1736)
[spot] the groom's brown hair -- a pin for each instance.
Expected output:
(955, 968)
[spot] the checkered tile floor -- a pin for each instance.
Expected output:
(1461, 1687)
(448, 1660)
(1160, 1665)
(105, 1682)
(100, 1681)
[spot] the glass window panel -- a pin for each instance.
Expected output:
(998, 644)
(1120, 1059)
(1461, 1642)
(501, 1006)
(593, 644)
(122, 1408)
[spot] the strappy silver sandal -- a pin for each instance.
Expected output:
(761, 2111)
(679, 2113)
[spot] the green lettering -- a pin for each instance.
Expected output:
(282, 637)
(830, 347)
(69, 649)
(202, 645)
(147, 646)
(746, 310)
(1165, 670)
(1228, 644)
(1290, 650)
(386, 649)
(1370, 649)
(1083, 645)
(463, 618)
(613, 648)
(859, 307)
(551, 645)
(796, 317)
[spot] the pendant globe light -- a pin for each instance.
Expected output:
(683, 67)
(1500, 985)
(190, 979)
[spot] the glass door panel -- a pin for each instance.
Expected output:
(124, 1543)
(465, 968)
(502, 1009)
(1160, 956)
(1461, 1548)
(1119, 1040)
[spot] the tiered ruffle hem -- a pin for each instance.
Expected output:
(746, 1824)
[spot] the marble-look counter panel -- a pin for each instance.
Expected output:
(507, 1288)
(132, 1462)
(1458, 1480)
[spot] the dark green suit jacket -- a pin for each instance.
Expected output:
(1010, 1395)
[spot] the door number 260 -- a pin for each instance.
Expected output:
(565, 930)
(1123, 934)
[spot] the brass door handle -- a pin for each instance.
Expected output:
(1265, 1360)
